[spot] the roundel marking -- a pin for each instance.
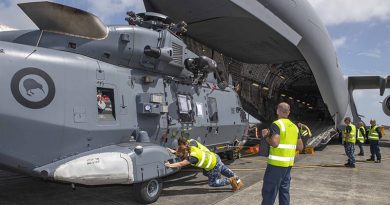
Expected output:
(32, 88)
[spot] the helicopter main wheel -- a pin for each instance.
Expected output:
(147, 192)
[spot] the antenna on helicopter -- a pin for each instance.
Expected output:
(133, 19)
(155, 21)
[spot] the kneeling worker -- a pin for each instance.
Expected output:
(210, 162)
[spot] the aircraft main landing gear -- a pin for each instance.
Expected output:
(147, 192)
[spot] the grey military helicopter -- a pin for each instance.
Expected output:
(85, 103)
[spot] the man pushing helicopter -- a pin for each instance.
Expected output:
(192, 152)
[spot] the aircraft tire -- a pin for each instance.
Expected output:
(147, 192)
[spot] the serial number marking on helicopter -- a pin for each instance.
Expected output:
(93, 161)
(33, 88)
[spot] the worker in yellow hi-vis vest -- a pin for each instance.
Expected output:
(304, 130)
(374, 135)
(360, 134)
(349, 142)
(284, 139)
(193, 153)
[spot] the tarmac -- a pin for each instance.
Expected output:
(319, 178)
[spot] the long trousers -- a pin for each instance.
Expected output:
(350, 151)
(276, 179)
(214, 175)
(360, 147)
(374, 149)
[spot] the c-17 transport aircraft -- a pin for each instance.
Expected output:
(94, 104)
(278, 50)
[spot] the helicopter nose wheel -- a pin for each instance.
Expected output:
(147, 192)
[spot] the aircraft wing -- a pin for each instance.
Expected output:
(256, 34)
(53, 17)
(369, 82)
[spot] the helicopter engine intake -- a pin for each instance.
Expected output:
(386, 105)
(200, 67)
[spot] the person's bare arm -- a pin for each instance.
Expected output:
(171, 150)
(271, 140)
(300, 145)
(178, 164)
(274, 140)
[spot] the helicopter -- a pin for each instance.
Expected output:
(93, 104)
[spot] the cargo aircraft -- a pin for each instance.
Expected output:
(86, 103)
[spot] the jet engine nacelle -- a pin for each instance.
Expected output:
(386, 105)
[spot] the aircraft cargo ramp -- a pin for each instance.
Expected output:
(316, 179)
(321, 137)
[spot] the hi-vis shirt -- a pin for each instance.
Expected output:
(284, 154)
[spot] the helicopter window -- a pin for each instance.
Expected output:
(213, 110)
(199, 109)
(105, 104)
(185, 108)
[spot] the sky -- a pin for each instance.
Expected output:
(359, 30)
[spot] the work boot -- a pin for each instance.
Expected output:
(240, 184)
(352, 166)
(233, 182)
(370, 159)
(360, 154)
(347, 164)
(378, 161)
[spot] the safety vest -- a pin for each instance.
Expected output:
(206, 160)
(284, 154)
(360, 135)
(200, 146)
(304, 132)
(373, 134)
(352, 134)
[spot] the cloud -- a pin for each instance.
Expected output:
(11, 15)
(334, 12)
(109, 8)
(374, 53)
(368, 104)
(339, 42)
(5, 28)
(358, 93)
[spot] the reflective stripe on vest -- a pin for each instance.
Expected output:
(373, 134)
(304, 132)
(360, 135)
(206, 160)
(287, 146)
(352, 134)
(284, 154)
(200, 146)
(283, 159)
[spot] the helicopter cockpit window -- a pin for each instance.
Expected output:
(185, 108)
(105, 104)
(213, 110)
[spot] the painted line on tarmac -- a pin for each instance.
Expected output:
(247, 169)
(295, 167)
(250, 159)
(233, 169)
(380, 171)
(303, 166)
